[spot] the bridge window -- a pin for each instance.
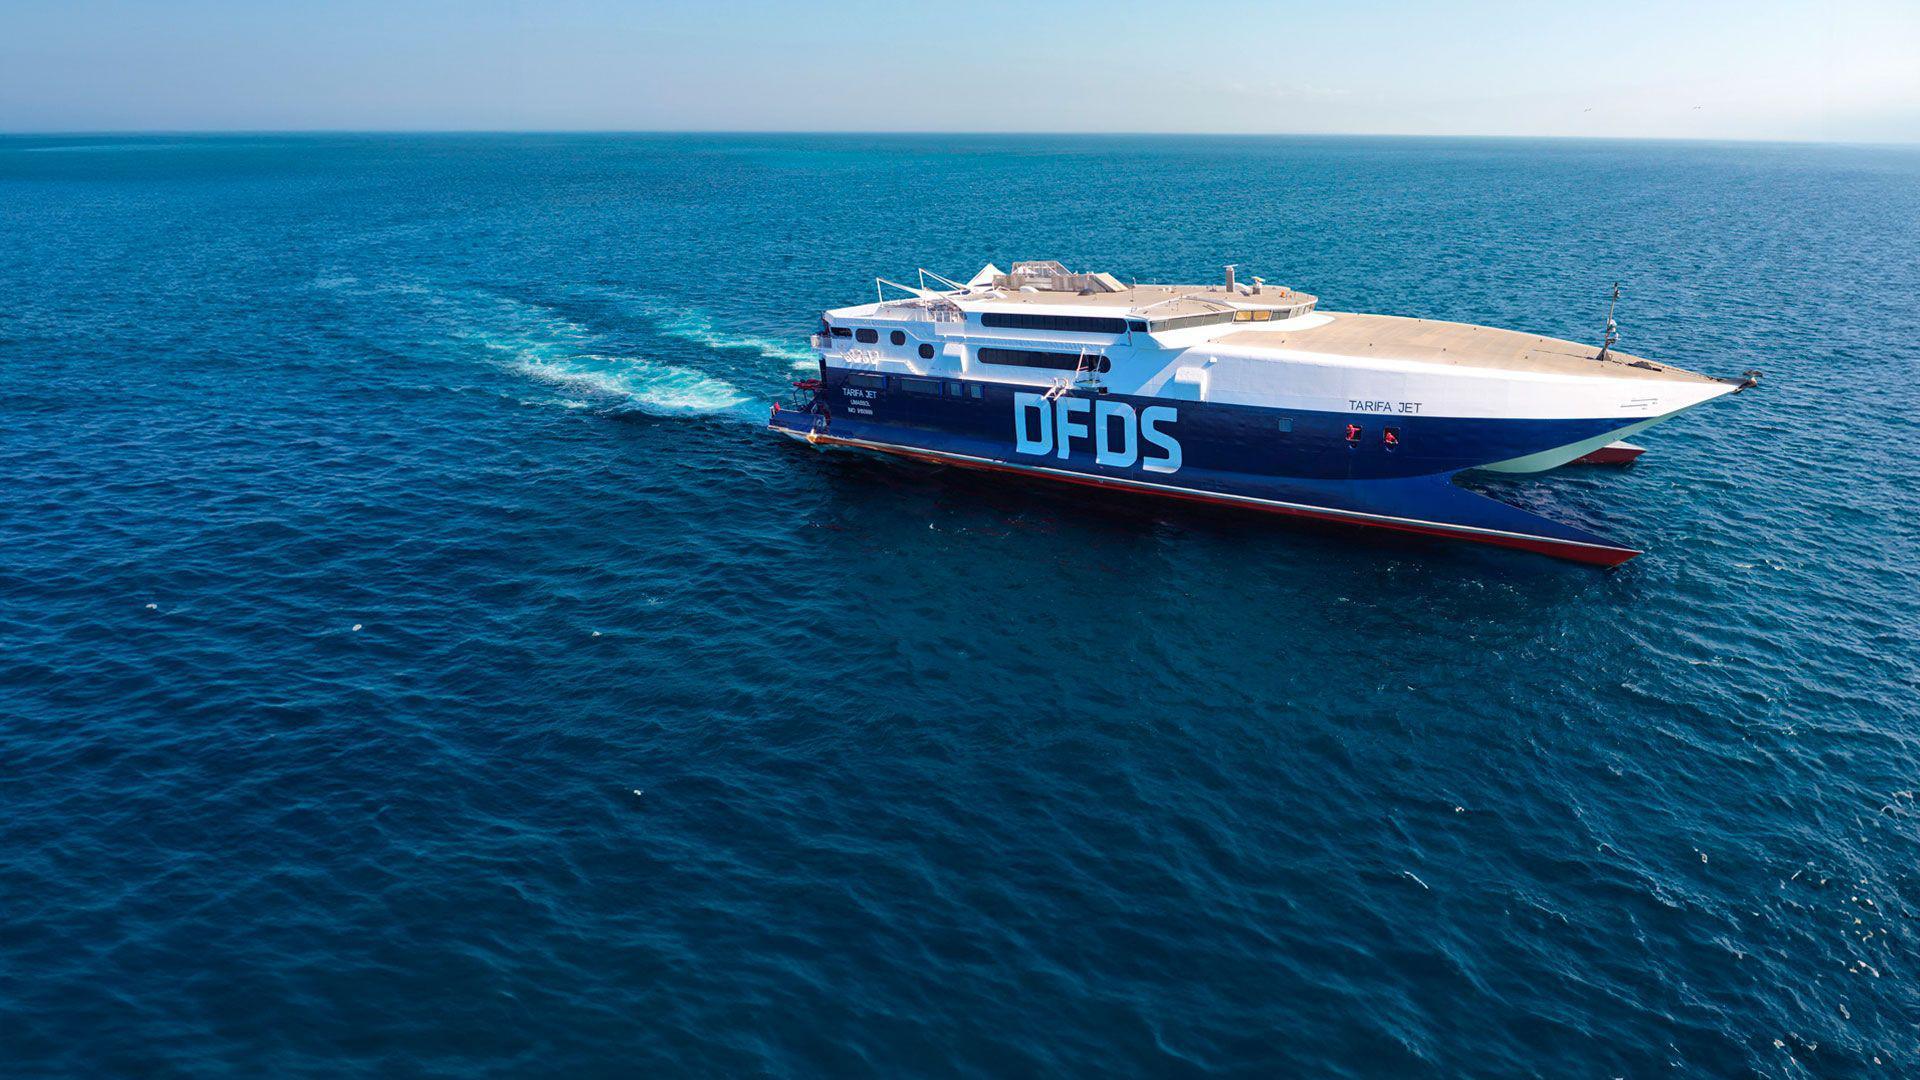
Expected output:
(1059, 361)
(1076, 324)
(866, 336)
(1161, 326)
(898, 338)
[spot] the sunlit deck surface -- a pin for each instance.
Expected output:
(1166, 300)
(1391, 337)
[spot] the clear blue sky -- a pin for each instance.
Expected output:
(1847, 71)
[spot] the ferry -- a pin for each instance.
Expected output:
(1239, 393)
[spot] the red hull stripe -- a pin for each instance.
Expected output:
(1592, 554)
(1619, 454)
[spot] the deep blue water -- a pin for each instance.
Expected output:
(415, 658)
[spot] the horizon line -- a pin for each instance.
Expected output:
(456, 131)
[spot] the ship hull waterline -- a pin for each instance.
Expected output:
(1593, 552)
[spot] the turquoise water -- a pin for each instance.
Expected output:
(415, 658)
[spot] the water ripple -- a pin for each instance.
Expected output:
(414, 658)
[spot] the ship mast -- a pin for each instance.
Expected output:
(1613, 328)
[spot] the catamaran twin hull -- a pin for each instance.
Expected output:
(1234, 395)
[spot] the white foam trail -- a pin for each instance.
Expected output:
(690, 323)
(646, 384)
(697, 327)
(536, 342)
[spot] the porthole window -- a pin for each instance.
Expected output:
(926, 352)
(866, 336)
(899, 338)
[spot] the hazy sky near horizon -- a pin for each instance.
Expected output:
(1794, 69)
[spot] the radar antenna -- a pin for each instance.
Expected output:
(1613, 328)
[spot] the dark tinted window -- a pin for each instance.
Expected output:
(926, 352)
(974, 390)
(1138, 326)
(866, 336)
(1063, 361)
(920, 386)
(841, 331)
(1080, 324)
(955, 389)
(869, 382)
(899, 338)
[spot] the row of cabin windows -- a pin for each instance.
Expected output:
(1060, 361)
(1161, 326)
(922, 387)
(1078, 324)
(1262, 315)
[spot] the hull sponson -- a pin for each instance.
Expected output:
(1593, 550)
(1237, 455)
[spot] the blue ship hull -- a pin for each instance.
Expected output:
(1380, 471)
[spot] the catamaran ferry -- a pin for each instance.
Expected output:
(1241, 393)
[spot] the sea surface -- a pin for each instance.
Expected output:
(417, 659)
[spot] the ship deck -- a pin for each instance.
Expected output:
(1166, 300)
(1392, 337)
